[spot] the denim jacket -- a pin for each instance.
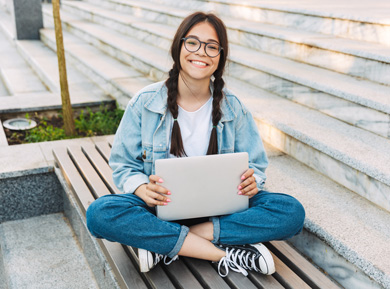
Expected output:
(142, 137)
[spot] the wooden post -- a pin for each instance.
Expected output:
(66, 105)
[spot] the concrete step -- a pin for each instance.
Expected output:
(348, 155)
(3, 88)
(360, 22)
(111, 75)
(348, 235)
(6, 23)
(352, 57)
(40, 88)
(119, 21)
(147, 59)
(361, 103)
(42, 252)
(30, 102)
(45, 63)
(358, 102)
(16, 76)
(357, 58)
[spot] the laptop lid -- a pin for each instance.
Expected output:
(202, 186)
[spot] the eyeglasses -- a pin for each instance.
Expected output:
(192, 45)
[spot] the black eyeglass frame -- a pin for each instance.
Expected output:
(200, 45)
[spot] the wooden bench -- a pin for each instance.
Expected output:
(86, 170)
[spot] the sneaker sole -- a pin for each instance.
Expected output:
(266, 255)
(143, 260)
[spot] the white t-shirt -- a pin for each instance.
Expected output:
(195, 128)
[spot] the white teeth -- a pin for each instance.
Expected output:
(199, 63)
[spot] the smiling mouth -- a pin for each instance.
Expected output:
(198, 63)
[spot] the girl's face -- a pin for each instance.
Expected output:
(198, 65)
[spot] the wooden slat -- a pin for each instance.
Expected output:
(180, 275)
(101, 167)
(104, 149)
(122, 265)
(206, 275)
(286, 276)
(155, 278)
(89, 174)
(118, 260)
(264, 281)
(236, 280)
(302, 267)
(81, 191)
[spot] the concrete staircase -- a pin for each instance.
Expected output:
(316, 78)
(29, 79)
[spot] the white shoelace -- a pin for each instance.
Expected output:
(159, 257)
(246, 260)
(170, 261)
(230, 262)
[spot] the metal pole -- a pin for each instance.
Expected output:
(66, 105)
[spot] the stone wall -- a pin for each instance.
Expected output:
(29, 196)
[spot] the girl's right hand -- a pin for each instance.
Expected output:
(153, 194)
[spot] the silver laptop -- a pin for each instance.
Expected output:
(202, 186)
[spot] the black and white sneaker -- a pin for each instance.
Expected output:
(148, 260)
(241, 258)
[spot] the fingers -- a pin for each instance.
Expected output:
(247, 182)
(155, 194)
(155, 179)
(154, 199)
(247, 174)
(155, 186)
(248, 187)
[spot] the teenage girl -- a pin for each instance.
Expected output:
(192, 114)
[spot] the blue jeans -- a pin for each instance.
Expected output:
(126, 219)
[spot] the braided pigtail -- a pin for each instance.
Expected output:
(216, 113)
(177, 147)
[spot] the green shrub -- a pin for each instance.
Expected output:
(45, 132)
(88, 123)
(102, 122)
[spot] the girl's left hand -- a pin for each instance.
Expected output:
(248, 187)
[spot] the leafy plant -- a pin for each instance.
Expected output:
(88, 123)
(45, 132)
(101, 122)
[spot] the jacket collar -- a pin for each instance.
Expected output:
(157, 102)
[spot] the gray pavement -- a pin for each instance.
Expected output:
(42, 252)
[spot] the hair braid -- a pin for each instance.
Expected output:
(177, 147)
(216, 113)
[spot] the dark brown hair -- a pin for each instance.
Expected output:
(177, 147)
